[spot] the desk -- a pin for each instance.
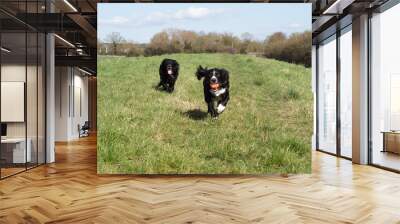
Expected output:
(391, 141)
(15, 148)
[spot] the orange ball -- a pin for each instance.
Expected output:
(214, 86)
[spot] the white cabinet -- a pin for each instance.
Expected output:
(19, 155)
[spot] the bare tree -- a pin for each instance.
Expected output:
(115, 39)
(159, 44)
(294, 48)
(275, 46)
(247, 36)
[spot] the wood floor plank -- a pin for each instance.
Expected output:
(70, 191)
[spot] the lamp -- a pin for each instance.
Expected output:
(84, 71)
(64, 40)
(70, 5)
(5, 50)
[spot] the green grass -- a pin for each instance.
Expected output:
(266, 127)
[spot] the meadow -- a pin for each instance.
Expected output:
(266, 127)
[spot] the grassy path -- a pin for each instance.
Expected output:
(266, 127)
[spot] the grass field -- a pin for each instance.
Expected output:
(266, 127)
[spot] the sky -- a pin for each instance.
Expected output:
(139, 22)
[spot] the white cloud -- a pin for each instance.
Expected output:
(195, 13)
(116, 20)
(159, 18)
(156, 17)
(192, 13)
(294, 25)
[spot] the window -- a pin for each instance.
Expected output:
(346, 92)
(327, 95)
(385, 89)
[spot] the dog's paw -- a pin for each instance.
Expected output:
(220, 108)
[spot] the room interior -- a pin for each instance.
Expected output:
(334, 42)
(22, 101)
(29, 59)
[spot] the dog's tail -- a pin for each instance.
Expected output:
(201, 72)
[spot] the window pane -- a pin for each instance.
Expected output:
(327, 96)
(346, 92)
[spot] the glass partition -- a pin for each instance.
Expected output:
(327, 95)
(22, 101)
(14, 145)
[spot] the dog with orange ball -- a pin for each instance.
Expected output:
(216, 88)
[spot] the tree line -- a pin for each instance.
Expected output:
(294, 48)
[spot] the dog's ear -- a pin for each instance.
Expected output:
(225, 75)
(201, 72)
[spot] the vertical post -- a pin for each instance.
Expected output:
(0, 94)
(317, 97)
(338, 76)
(360, 90)
(50, 93)
(26, 107)
(314, 90)
(369, 127)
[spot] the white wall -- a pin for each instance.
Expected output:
(62, 82)
(81, 82)
(69, 82)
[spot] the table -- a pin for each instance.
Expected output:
(391, 141)
(15, 148)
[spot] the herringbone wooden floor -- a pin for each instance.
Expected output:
(70, 191)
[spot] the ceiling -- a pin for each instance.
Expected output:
(74, 22)
(327, 13)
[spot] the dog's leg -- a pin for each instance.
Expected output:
(159, 84)
(168, 87)
(220, 108)
(222, 104)
(162, 84)
(172, 85)
(211, 109)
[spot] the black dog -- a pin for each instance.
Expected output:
(216, 89)
(169, 71)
